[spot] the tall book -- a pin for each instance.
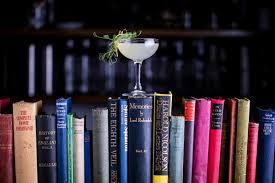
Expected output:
(4, 104)
(63, 107)
(140, 139)
(100, 145)
(78, 136)
(201, 140)
(161, 115)
(252, 152)
(241, 140)
(265, 159)
(223, 176)
(46, 148)
(176, 149)
(215, 137)
(231, 105)
(189, 115)
(70, 148)
(87, 156)
(113, 139)
(6, 148)
(25, 151)
(123, 141)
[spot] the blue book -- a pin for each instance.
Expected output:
(63, 107)
(87, 155)
(113, 139)
(265, 159)
(123, 141)
(140, 139)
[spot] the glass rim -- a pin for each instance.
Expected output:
(138, 40)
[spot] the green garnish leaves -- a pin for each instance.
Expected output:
(111, 55)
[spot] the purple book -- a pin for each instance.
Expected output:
(201, 140)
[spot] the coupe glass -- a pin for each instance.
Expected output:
(137, 50)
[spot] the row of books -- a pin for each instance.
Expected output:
(137, 139)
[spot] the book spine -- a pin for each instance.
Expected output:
(215, 137)
(123, 141)
(223, 177)
(140, 143)
(252, 152)
(70, 147)
(232, 111)
(25, 150)
(6, 148)
(46, 148)
(87, 155)
(189, 114)
(79, 172)
(176, 149)
(265, 160)
(100, 145)
(4, 105)
(63, 107)
(241, 140)
(113, 139)
(162, 113)
(201, 140)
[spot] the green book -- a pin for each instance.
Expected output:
(241, 140)
(70, 148)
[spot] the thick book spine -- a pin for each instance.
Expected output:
(265, 159)
(78, 135)
(4, 104)
(123, 141)
(140, 139)
(46, 148)
(100, 145)
(176, 149)
(6, 148)
(215, 137)
(87, 156)
(223, 177)
(252, 152)
(63, 107)
(70, 148)
(201, 140)
(161, 115)
(189, 114)
(113, 139)
(241, 140)
(25, 150)
(232, 116)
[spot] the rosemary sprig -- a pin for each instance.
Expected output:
(111, 55)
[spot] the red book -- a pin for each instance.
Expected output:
(6, 148)
(253, 129)
(4, 103)
(232, 115)
(215, 137)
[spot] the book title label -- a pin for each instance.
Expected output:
(216, 116)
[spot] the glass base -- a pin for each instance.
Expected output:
(136, 93)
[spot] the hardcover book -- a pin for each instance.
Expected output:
(63, 108)
(176, 149)
(70, 148)
(223, 177)
(252, 152)
(87, 156)
(25, 151)
(46, 148)
(201, 140)
(161, 115)
(123, 141)
(215, 137)
(4, 104)
(189, 115)
(100, 145)
(265, 160)
(140, 139)
(113, 139)
(241, 140)
(6, 148)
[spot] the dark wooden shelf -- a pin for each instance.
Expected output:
(146, 32)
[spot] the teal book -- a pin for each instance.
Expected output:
(70, 147)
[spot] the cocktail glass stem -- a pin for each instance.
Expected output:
(137, 75)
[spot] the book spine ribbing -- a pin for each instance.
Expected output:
(176, 149)
(140, 135)
(87, 152)
(46, 148)
(70, 147)
(201, 140)
(162, 113)
(123, 141)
